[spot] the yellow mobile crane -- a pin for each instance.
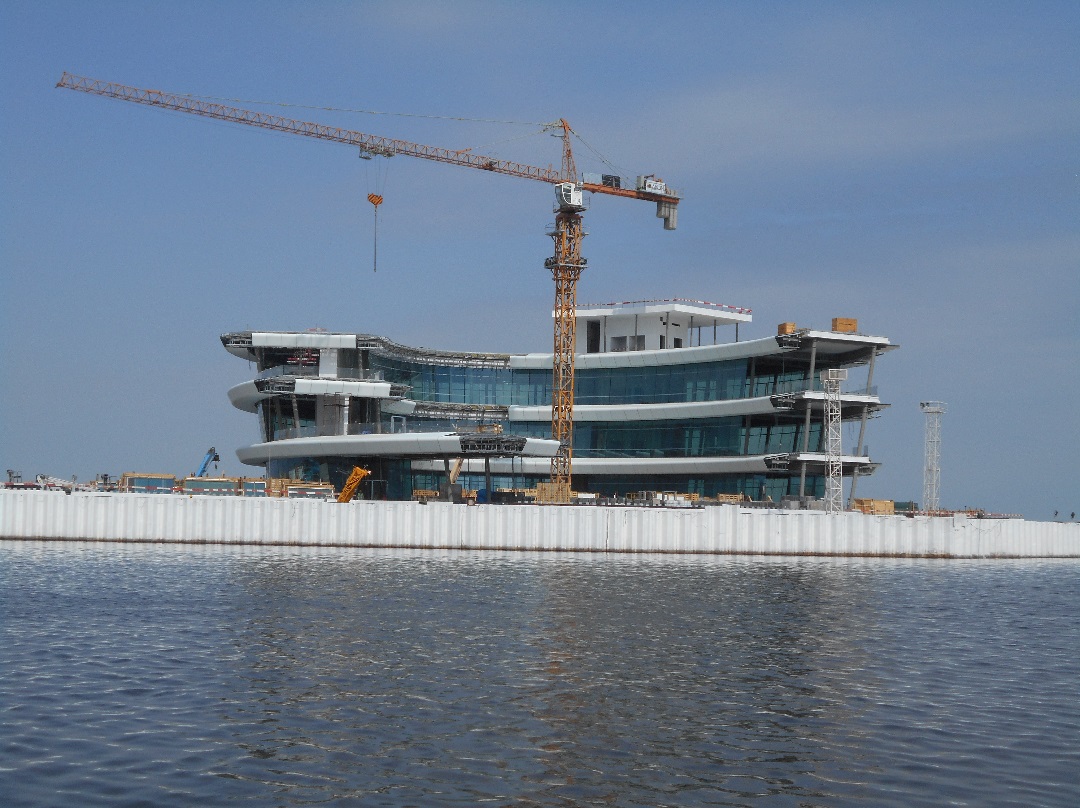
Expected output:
(566, 265)
(348, 491)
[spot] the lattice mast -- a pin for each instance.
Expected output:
(932, 455)
(566, 265)
(834, 468)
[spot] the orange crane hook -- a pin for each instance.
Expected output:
(376, 200)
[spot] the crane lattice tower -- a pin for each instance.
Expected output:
(834, 468)
(932, 455)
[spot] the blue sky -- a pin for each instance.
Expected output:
(914, 165)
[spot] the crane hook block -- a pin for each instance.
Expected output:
(374, 199)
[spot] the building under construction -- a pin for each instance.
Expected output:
(666, 398)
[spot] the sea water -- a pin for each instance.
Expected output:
(134, 674)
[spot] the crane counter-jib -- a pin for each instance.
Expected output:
(666, 204)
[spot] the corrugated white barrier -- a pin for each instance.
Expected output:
(723, 529)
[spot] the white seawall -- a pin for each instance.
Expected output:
(724, 529)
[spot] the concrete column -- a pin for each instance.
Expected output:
(328, 363)
(749, 394)
(806, 422)
(862, 429)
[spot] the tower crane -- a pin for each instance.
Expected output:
(566, 265)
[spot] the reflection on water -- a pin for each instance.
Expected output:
(136, 673)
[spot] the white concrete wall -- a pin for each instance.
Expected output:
(722, 529)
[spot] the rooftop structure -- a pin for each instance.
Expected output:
(660, 324)
(667, 397)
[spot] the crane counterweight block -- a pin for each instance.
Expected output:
(669, 212)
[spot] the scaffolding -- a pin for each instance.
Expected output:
(932, 455)
(834, 468)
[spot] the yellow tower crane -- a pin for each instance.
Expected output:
(566, 265)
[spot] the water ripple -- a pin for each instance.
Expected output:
(145, 675)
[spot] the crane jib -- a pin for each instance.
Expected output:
(368, 144)
(371, 144)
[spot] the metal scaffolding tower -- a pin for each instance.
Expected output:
(834, 469)
(932, 455)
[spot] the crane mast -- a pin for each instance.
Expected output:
(566, 265)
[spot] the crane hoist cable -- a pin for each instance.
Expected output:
(376, 171)
(375, 200)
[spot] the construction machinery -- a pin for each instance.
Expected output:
(348, 491)
(566, 265)
(211, 457)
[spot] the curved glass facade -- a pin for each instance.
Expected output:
(466, 391)
(661, 384)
